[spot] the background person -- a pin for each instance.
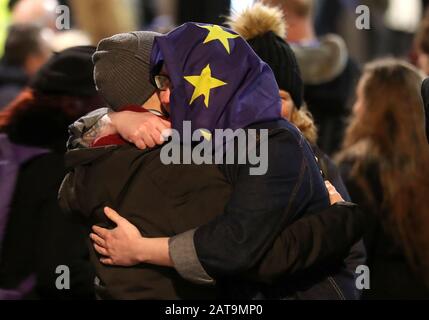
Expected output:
(264, 29)
(328, 71)
(35, 236)
(384, 164)
(26, 50)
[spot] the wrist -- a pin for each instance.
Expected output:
(110, 122)
(154, 251)
(143, 250)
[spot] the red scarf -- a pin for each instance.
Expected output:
(116, 139)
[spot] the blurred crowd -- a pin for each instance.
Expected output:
(356, 96)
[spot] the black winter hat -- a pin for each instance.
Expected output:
(279, 56)
(264, 28)
(69, 72)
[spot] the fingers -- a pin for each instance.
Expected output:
(330, 187)
(166, 123)
(146, 136)
(107, 261)
(113, 215)
(156, 133)
(158, 137)
(98, 240)
(150, 133)
(101, 232)
(142, 129)
(100, 250)
(334, 195)
(139, 143)
(166, 133)
(161, 124)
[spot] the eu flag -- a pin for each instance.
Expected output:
(218, 81)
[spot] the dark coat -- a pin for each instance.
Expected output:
(39, 237)
(159, 200)
(391, 274)
(260, 207)
(163, 201)
(329, 75)
(329, 104)
(331, 172)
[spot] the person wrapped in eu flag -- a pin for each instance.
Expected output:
(216, 81)
(207, 75)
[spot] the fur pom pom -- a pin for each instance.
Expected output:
(258, 20)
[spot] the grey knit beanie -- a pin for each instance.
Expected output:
(122, 68)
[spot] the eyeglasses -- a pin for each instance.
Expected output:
(162, 82)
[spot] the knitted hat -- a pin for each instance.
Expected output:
(122, 68)
(264, 29)
(68, 72)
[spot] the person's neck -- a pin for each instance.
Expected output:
(302, 31)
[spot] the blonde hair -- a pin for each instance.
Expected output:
(113, 17)
(390, 132)
(303, 119)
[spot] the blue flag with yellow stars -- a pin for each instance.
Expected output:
(218, 82)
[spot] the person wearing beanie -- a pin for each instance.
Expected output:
(122, 77)
(124, 57)
(58, 76)
(188, 269)
(35, 236)
(328, 71)
(264, 28)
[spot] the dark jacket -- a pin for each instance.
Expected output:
(142, 189)
(159, 200)
(391, 275)
(259, 208)
(331, 172)
(329, 76)
(38, 237)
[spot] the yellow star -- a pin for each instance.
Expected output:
(217, 33)
(206, 134)
(203, 84)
